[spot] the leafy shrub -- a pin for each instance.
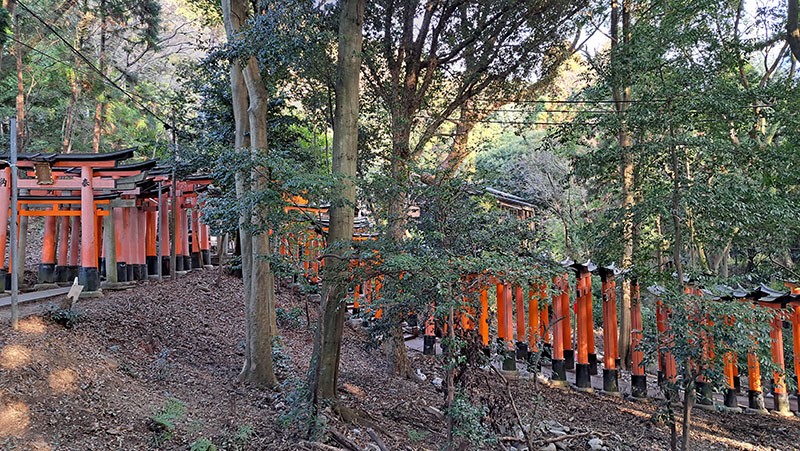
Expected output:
(163, 422)
(202, 444)
(289, 318)
(69, 318)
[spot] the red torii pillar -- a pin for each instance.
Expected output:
(177, 214)
(135, 238)
(558, 362)
(47, 266)
(151, 255)
(163, 239)
(122, 244)
(197, 257)
(566, 330)
(510, 361)
(610, 340)
(522, 346)
(483, 320)
(780, 394)
(534, 293)
(184, 226)
(205, 242)
(88, 276)
(583, 293)
(141, 213)
(74, 246)
(5, 203)
(796, 343)
(638, 376)
(127, 240)
(62, 257)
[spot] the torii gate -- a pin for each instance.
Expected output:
(83, 173)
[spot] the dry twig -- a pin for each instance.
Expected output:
(528, 440)
(377, 439)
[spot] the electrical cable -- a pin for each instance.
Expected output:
(91, 65)
(46, 55)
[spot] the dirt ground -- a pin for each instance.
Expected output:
(155, 368)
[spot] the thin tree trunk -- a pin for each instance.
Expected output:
(327, 347)
(677, 245)
(622, 97)
(689, 397)
(398, 363)
(450, 376)
(249, 101)
(20, 98)
(262, 322)
(100, 107)
(792, 30)
(66, 142)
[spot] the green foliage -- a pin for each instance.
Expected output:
(163, 421)
(289, 318)
(415, 436)
(727, 327)
(5, 26)
(243, 436)
(468, 421)
(203, 444)
(700, 93)
(69, 318)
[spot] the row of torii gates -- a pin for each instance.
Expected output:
(106, 218)
(525, 320)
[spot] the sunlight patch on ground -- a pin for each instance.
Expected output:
(63, 381)
(14, 356)
(727, 442)
(33, 325)
(14, 419)
(635, 412)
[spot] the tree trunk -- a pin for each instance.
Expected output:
(100, 107)
(249, 101)
(398, 363)
(327, 347)
(622, 97)
(262, 322)
(677, 245)
(20, 98)
(66, 142)
(792, 30)
(689, 397)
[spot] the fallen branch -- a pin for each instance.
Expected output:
(344, 441)
(377, 439)
(578, 435)
(511, 439)
(528, 440)
(322, 446)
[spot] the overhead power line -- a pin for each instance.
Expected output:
(94, 68)
(47, 55)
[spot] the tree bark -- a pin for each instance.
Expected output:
(689, 398)
(20, 98)
(327, 346)
(66, 142)
(792, 30)
(677, 244)
(622, 97)
(100, 106)
(249, 101)
(398, 363)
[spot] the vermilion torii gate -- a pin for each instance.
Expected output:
(108, 215)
